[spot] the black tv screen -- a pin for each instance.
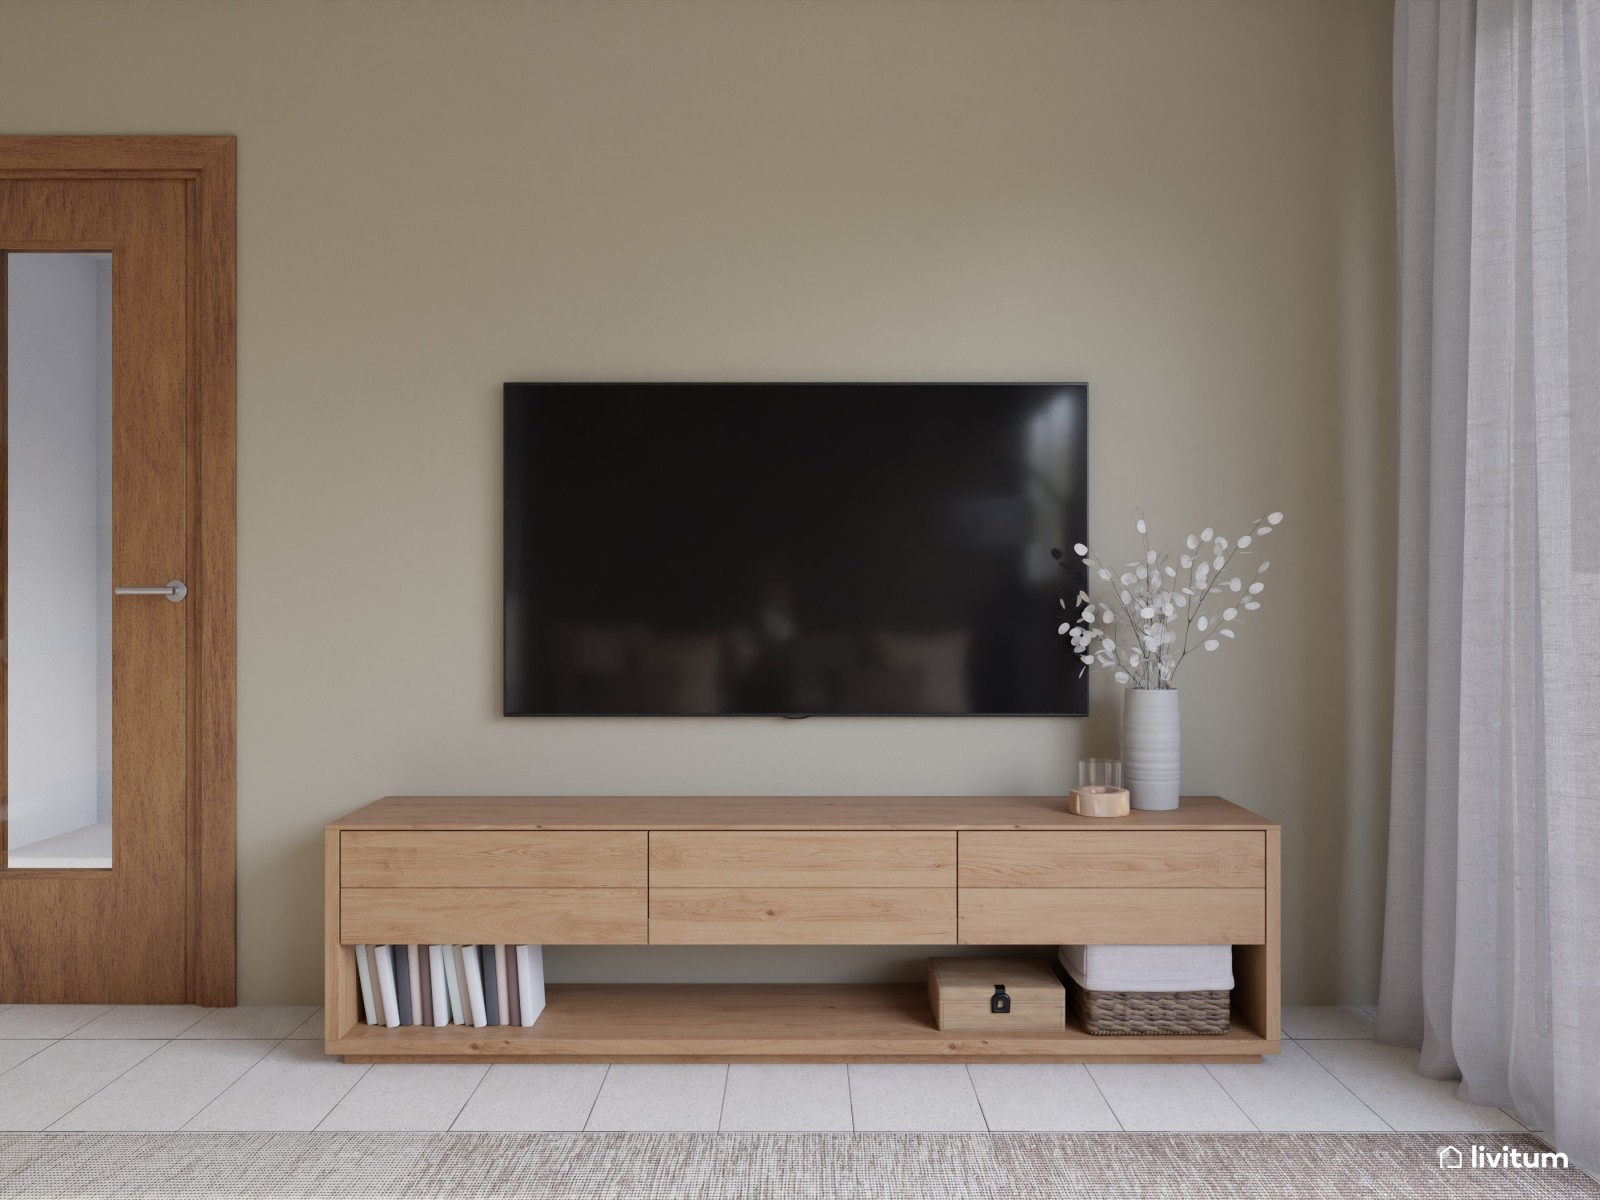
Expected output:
(792, 549)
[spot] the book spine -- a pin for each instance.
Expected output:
(402, 983)
(502, 987)
(452, 982)
(461, 985)
(491, 990)
(423, 987)
(414, 970)
(364, 978)
(386, 985)
(441, 1004)
(473, 971)
(380, 1010)
(513, 989)
(530, 981)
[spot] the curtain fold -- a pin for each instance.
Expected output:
(1491, 960)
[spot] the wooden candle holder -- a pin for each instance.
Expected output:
(1096, 801)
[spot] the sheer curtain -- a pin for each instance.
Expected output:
(1491, 959)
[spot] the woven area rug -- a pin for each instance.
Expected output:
(638, 1166)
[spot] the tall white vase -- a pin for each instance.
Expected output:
(1150, 747)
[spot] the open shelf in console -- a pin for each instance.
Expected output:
(765, 1023)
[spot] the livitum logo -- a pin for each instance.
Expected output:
(1506, 1156)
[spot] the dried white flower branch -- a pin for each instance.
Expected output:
(1163, 608)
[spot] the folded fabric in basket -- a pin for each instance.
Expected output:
(1149, 968)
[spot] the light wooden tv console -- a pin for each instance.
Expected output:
(789, 870)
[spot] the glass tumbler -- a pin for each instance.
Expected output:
(1099, 773)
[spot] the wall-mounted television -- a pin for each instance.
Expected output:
(792, 549)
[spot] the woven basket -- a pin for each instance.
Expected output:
(1151, 1013)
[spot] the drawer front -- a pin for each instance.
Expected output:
(802, 916)
(792, 859)
(1153, 859)
(544, 916)
(1131, 916)
(497, 858)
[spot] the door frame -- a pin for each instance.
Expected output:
(207, 165)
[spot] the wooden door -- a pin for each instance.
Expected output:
(144, 911)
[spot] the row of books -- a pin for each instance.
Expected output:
(451, 985)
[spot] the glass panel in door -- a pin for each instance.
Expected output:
(57, 633)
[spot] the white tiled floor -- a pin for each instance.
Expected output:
(138, 1068)
(805, 1098)
(661, 1097)
(903, 1097)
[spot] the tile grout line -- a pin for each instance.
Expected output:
(235, 1083)
(48, 1042)
(229, 1084)
(64, 1036)
(596, 1099)
(355, 1083)
(365, 1067)
(203, 1015)
(107, 1083)
(452, 1124)
(1234, 1100)
(188, 1035)
(451, 1128)
(982, 1112)
(171, 1037)
(1218, 1084)
(1411, 1075)
(1324, 1068)
(1110, 1107)
(722, 1109)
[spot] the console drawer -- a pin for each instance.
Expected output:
(1147, 859)
(794, 859)
(802, 916)
(1131, 916)
(546, 916)
(498, 858)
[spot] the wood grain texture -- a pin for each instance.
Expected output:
(802, 859)
(802, 916)
(960, 992)
(124, 935)
(1258, 969)
(341, 984)
(194, 399)
(504, 858)
(5, 560)
(213, 687)
(543, 916)
(182, 156)
(826, 1023)
(1131, 916)
(1189, 858)
(779, 812)
(766, 1023)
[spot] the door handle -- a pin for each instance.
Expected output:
(175, 590)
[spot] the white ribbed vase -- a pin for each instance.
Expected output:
(1150, 747)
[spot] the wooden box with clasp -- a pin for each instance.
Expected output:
(1022, 995)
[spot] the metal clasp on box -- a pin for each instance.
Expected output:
(999, 1002)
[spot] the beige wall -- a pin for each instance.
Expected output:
(1187, 204)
